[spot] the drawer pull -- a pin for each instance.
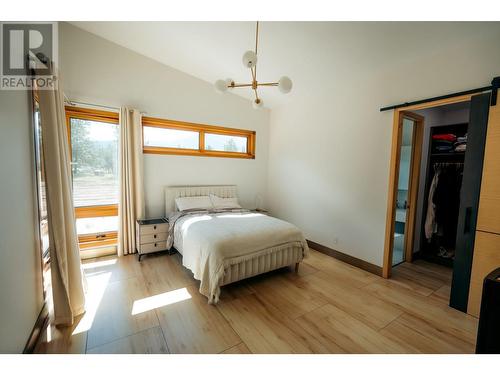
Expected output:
(155, 236)
(155, 244)
(154, 227)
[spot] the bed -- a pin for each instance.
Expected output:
(227, 245)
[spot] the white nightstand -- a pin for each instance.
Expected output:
(151, 236)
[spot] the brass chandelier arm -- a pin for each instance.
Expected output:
(254, 73)
(268, 84)
(239, 85)
(250, 84)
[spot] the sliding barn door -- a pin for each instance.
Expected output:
(469, 201)
(487, 247)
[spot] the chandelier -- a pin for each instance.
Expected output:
(250, 61)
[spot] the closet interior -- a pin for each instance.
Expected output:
(442, 167)
(444, 181)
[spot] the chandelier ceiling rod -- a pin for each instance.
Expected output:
(250, 61)
(254, 83)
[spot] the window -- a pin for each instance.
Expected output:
(94, 137)
(40, 182)
(230, 143)
(41, 198)
(171, 138)
(183, 138)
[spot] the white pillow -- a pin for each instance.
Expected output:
(192, 203)
(219, 202)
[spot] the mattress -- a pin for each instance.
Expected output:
(221, 248)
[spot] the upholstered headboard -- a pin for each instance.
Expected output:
(172, 192)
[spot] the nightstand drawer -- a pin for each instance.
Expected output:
(149, 238)
(152, 247)
(154, 229)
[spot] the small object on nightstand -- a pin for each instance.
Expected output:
(151, 236)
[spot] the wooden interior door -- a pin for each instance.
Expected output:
(487, 248)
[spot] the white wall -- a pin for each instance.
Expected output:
(97, 71)
(21, 296)
(330, 146)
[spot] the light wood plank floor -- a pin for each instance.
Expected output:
(328, 307)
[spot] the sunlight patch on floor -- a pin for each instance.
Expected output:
(100, 263)
(160, 300)
(97, 285)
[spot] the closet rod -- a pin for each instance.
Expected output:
(495, 85)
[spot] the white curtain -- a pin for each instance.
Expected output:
(131, 206)
(67, 285)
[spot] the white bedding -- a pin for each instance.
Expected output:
(211, 242)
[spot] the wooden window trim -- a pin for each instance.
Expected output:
(201, 129)
(91, 243)
(104, 238)
(96, 211)
(91, 114)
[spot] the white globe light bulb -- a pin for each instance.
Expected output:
(220, 86)
(249, 59)
(285, 85)
(258, 103)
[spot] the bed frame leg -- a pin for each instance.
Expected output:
(297, 267)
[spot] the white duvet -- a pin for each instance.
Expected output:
(210, 242)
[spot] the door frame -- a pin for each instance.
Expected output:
(414, 174)
(414, 178)
(398, 116)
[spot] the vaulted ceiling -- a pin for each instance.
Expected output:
(304, 51)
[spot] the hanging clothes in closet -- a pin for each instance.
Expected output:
(430, 219)
(443, 206)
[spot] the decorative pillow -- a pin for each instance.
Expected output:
(194, 203)
(219, 202)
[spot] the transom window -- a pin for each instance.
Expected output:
(183, 138)
(94, 140)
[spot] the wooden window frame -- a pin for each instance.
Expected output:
(103, 238)
(201, 129)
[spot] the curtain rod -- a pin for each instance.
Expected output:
(495, 85)
(74, 103)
